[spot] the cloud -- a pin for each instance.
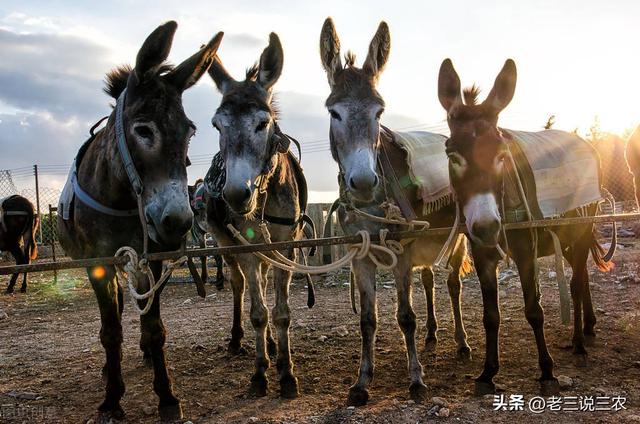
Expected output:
(57, 74)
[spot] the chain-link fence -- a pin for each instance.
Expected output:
(43, 190)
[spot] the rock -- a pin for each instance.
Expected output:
(434, 410)
(3, 315)
(351, 408)
(552, 274)
(323, 338)
(411, 402)
(341, 331)
(439, 401)
(188, 422)
(253, 419)
(90, 421)
(443, 412)
(148, 410)
(187, 302)
(565, 382)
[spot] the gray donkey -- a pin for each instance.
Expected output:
(357, 145)
(263, 184)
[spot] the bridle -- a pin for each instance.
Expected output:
(132, 173)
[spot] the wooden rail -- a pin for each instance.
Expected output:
(286, 245)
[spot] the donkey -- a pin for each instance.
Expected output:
(477, 150)
(103, 215)
(356, 142)
(199, 232)
(264, 184)
(632, 155)
(18, 225)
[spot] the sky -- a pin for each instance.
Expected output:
(576, 60)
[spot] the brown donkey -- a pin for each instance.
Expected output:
(477, 150)
(99, 211)
(263, 184)
(357, 142)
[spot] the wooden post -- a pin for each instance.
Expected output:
(35, 173)
(53, 241)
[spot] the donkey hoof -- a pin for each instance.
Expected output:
(483, 388)
(357, 397)
(171, 412)
(590, 339)
(430, 344)
(258, 386)
(236, 349)
(464, 354)
(272, 347)
(9, 290)
(581, 360)
(108, 412)
(418, 392)
(289, 387)
(549, 387)
(23, 289)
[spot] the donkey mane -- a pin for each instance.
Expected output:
(471, 95)
(350, 59)
(252, 72)
(116, 79)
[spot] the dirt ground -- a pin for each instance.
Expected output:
(51, 357)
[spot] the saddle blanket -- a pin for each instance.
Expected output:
(564, 167)
(428, 167)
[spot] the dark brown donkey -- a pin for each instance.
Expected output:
(263, 184)
(357, 145)
(477, 150)
(18, 226)
(104, 214)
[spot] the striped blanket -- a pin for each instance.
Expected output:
(565, 169)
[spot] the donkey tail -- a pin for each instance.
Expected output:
(31, 246)
(602, 260)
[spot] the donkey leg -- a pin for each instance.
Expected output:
(486, 261)
(272, 348)
(281, 316)
(237, 331)
(454, 286)
(219, 272)
(407, 321)
(152, 340)
(579, 280)
(106, 291)
(365, 278)
(18, 255)
(524, 249)
(259, 320)
(431, 339)
(589, 313)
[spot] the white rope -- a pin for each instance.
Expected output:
(443, 258)
(386, 220)
(128, 273)
(361, 250)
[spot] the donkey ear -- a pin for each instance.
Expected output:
(448, 86)
(189, 72)
(330, 50)
(378, 51)
(271, 62)
(220, 76)
(503, 88)
(155, 49)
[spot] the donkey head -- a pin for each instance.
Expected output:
(355, 107)
(246, 121)
(157, 129)
(476, 148)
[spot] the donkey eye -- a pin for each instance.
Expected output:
(379, 114)
(144, 131)
(261, 126)
(335, 115)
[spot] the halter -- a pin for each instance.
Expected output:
(132, 174)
